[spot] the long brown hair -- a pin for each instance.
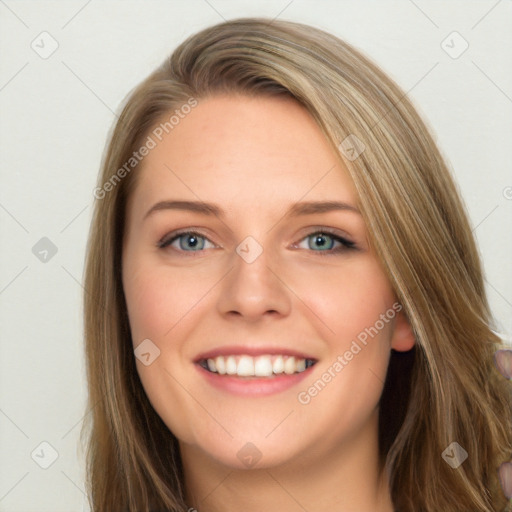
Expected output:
(445, 390)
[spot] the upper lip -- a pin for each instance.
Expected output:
(233, 350)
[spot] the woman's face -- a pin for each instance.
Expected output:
(277, 275)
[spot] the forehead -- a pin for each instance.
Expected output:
(243, 152)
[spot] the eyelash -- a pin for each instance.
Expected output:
(346, 245)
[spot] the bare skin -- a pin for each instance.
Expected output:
(254, 158)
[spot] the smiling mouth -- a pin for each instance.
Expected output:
(268, 366)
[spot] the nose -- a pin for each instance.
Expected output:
(253, 288)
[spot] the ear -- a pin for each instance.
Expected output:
(402, 338)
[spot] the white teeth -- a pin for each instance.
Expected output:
(289, 365)
(245, 366)
(278, 366)
(263, 366)
(221, 365)
(260, 366)
(231, 365)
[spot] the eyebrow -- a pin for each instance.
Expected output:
(297, 209)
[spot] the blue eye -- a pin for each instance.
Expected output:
(320, 239)
(191, 241)
(187, 240)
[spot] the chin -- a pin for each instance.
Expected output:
(252, 454)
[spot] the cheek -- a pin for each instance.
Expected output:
(350, 299)
(147, 301)
(157, 300)
(156, 305)
(357, 307)
(356, 303)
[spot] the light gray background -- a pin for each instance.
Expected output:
(57, 111)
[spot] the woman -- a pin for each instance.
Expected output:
(284, 305)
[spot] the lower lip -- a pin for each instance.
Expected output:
(253, 386)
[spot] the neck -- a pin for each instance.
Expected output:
(341, 479)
